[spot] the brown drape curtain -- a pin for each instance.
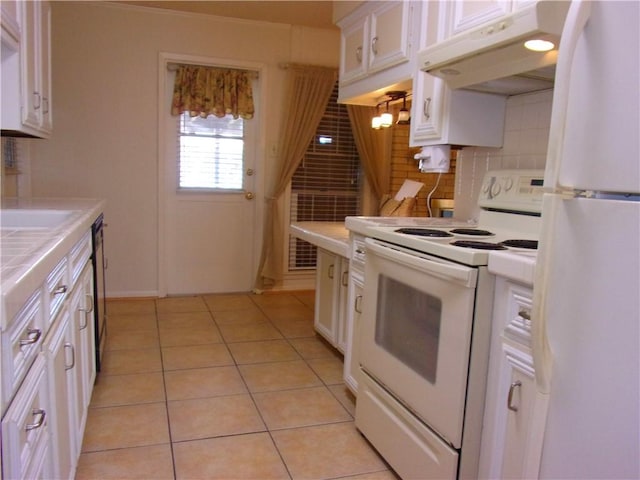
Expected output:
(308, 89)
(204, 91)
(374, 148)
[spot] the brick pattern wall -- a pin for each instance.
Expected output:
(404, 166)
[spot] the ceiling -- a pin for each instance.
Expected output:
(308, 13)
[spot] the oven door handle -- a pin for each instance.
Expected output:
(432, 266)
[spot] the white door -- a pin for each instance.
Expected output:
(208, 239)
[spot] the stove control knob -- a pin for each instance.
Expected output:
(495, 189)
(508, 183)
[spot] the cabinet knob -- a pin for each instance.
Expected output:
(33, 335)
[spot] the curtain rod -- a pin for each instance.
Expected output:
(172, 67)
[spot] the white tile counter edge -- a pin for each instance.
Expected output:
(330, 236)
(519, 267)
(18, 284)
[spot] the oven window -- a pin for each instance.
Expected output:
(408, 325)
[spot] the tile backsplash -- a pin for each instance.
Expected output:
(526, 135)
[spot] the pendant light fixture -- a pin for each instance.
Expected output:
(386, 119)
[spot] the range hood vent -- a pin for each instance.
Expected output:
(492, 58)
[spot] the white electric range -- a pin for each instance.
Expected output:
(424, 330)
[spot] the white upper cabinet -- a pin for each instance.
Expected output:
(440, 115)
(26, 72)
(377, 50)
(466, 14)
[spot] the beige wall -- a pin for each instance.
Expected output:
(105, 141)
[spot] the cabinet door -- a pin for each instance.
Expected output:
(354, 305)
(44, 64)
(62, 390)
(25, 428)
(389, 39)
(35, 68)
(427, 108)
(327, 295)
(83, 326)
(29, 47)
(466, 14)
(354, 50)
(342, 306)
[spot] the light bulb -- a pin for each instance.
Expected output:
(537, 45)
(376, 122)
(386, 119)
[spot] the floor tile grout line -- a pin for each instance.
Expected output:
(285, 338)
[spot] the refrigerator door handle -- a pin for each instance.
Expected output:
(577, 17)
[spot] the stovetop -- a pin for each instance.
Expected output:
(509, 221)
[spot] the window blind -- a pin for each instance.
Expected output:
(326, 184)
(210, 152)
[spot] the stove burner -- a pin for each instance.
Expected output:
(473, 232)
(528, 244)
(478, 245)
(424, 232)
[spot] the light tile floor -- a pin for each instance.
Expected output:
(222, 387)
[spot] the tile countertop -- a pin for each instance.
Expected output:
(514, 265)
(27, 255)
(330, 236)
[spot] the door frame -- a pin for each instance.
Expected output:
(259, 165)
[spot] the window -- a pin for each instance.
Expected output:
(211, 152)
(326, 184)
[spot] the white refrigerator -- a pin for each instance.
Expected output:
(586, 311)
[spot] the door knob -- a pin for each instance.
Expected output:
(248, 195)
(250, 172)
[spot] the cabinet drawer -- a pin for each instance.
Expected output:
(518, 326)
(78, 257)
(25, 436)
(56, 289)
(21, 343)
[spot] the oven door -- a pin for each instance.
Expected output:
(416, 332)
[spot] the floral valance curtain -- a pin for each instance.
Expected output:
(204, 91)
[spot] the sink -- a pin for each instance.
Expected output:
(33, 218)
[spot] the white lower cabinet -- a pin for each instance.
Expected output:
(26, 439)
(331, 294)
(83, 326)
(61, 352)
(48, 372)
(514, 410)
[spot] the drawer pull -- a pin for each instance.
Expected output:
(359, 251)
(61, 290)
(359, 54)
(510, 405)
(330, 271)
(357, 306)
(88, 309)
(33, 335)
(525, 314)
(374, 45)
(345, 278)
(40, 415)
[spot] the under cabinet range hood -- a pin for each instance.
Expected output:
(492, 58)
